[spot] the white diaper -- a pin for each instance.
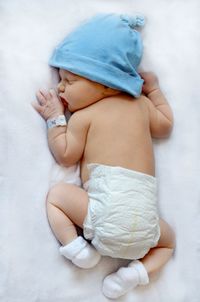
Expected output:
(122, 219)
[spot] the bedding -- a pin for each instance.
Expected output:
(31, 268)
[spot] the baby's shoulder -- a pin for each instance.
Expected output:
(128, 99)
(80, 117)
(131, 103)
(113, 105)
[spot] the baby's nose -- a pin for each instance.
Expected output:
(61, 88)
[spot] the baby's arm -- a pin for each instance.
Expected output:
(65, 142)
(161, 116)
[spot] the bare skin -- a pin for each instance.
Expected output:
(107, 127)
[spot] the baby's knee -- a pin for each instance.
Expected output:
(56, 193)
(171, 244)
(173, 239)
(168, 238)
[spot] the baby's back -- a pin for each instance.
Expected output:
(119, 135)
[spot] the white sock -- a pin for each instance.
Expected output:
(125, 279)
(81, 253)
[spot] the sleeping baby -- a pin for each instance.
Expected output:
(115, 114)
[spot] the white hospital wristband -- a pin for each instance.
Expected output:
(55, 122)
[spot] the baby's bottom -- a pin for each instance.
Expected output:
(67, 206)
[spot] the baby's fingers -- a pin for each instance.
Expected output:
(54, 95)
(45, 94)
(41, 99)
(37, 107)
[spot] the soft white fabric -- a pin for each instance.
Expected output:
(122, 219)
(118, 284)
(124, 280)
(31, 267)
(140, 268)
(81, 253)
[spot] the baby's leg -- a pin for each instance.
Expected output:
(137, 273)
(159, 256)
(66, 206)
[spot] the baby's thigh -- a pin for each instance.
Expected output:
(70, 199)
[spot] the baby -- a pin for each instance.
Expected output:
(110, 132)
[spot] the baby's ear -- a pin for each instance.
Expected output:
(110, 91)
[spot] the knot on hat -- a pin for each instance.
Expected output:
(134, 21)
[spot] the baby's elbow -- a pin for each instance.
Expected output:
(62, 160)
(166, 129)
(63, 163)
(67, 160)
(163, 130)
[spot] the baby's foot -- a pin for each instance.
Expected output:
(81, 253)
(125, 279)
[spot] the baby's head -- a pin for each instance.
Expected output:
(79, 92)
(102, 55)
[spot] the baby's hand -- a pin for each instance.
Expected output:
(150, 82)
(49, 105)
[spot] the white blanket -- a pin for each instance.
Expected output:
(31, 268)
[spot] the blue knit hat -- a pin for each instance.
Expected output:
(106, 49)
